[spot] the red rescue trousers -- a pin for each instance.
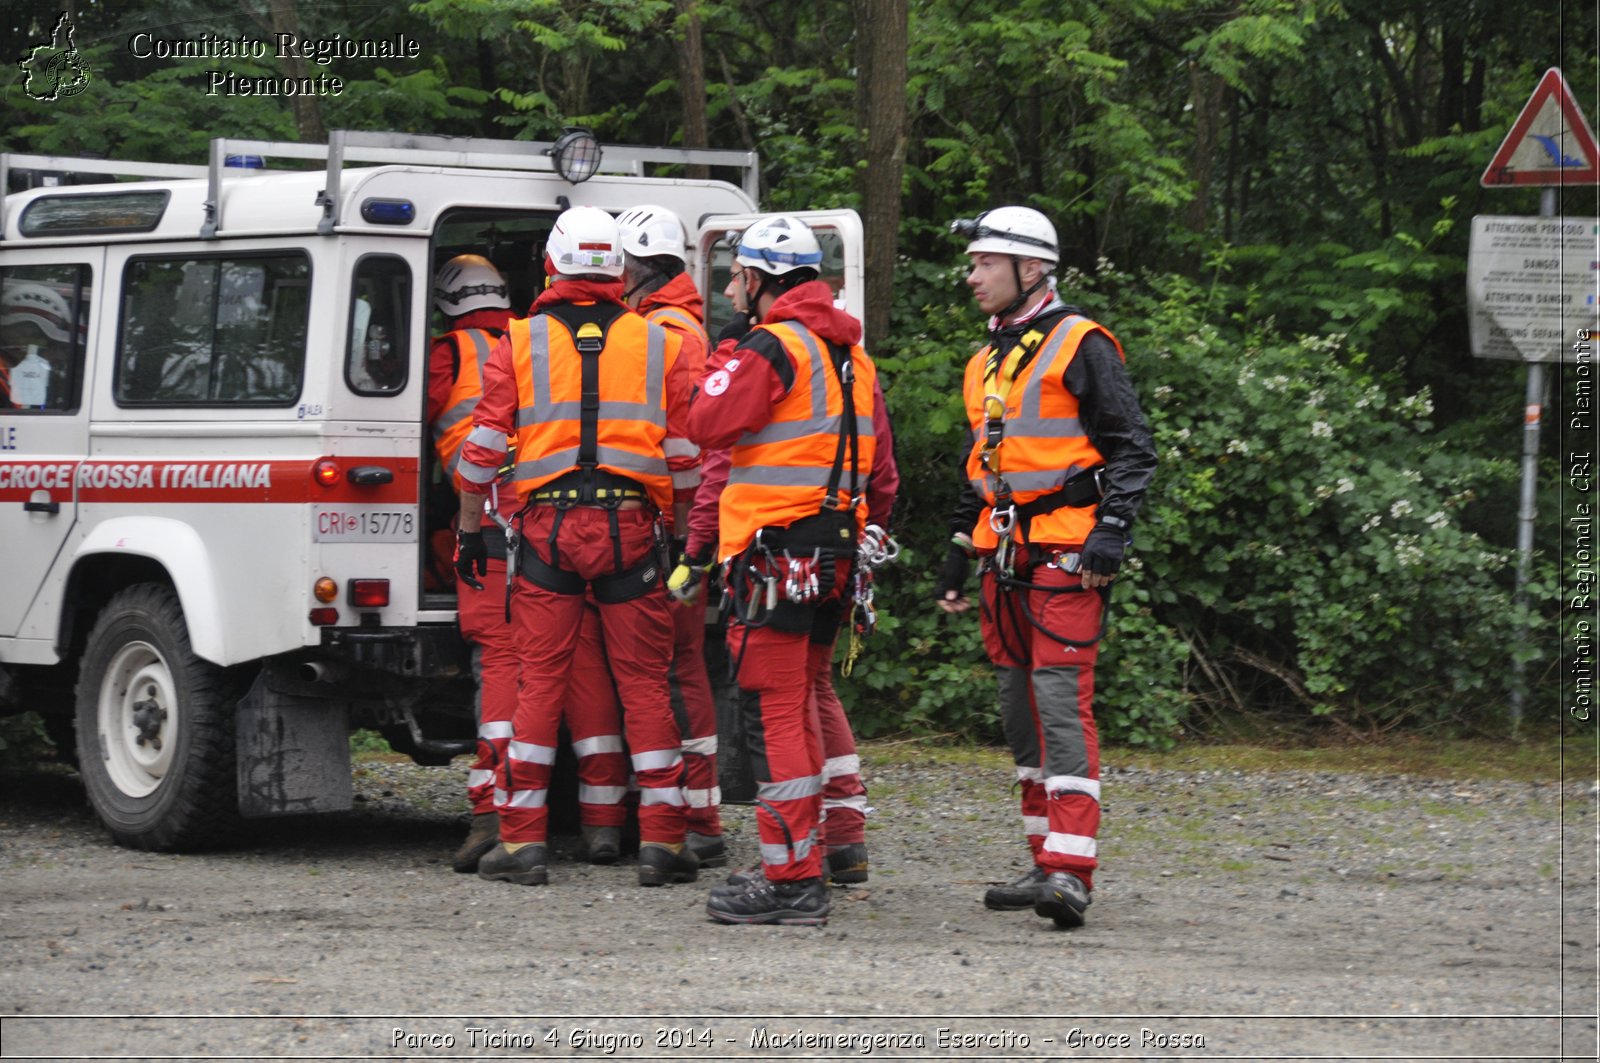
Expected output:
(494, 666)
(778, 675)
(637, 637)
(1047, 704)
(696, 709)
(844, 796)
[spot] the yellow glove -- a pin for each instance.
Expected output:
(684, 583)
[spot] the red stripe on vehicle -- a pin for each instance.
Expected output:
(238, 481)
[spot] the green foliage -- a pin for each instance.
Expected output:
(22, 740)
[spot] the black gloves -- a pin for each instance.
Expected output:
(952, 574)
(1102, 550)
(471, 553)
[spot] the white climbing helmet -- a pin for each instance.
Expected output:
(649, 230)
(779, 244)
(1020, 231)
(469, 282)
(585, 241)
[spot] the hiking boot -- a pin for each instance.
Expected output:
(1063, 897)
(1015, 896)
(483, 835)
(742, 880)
(710, 848)
(847, 864)
(526, 867)
(802, 903)
(600, 845)
(659, 865)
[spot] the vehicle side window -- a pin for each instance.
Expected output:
(44, 319)
(378, 357)
(214, 330)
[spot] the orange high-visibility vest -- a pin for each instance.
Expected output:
(473, 347)
(677, 319)
(634, 360)
(780, 474)
(1044, 443)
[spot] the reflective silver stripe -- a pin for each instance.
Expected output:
(1033, 392)
(780, 475)
(529, 753)
(1035, 825)
(663, 795)
(657, 758)
(1069, 844)
(475, 474)
(1056, 785)
(479, 777)
(588, 747)
(489, 730)
(783, 431)
(703, 798)
(777, 855)
(834, 767)
(858, 803)
(686, 478)
(520, 798)
(655, 371)
(601, 795)
(543, 412)
(705, 747)
(488, 438)
(790, 789)
(679, 447)
(561, 461)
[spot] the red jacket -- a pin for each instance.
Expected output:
(717, 421)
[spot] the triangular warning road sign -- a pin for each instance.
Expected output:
(1549, 144)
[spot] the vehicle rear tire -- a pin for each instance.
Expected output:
(155, 729)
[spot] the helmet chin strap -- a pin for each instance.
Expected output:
(1023, 295)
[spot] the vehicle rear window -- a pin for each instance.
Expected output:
(213, 330)
(380, 311)
(44, 319)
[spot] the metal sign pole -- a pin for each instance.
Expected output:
(1527, 509)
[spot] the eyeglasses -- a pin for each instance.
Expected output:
(737, 276)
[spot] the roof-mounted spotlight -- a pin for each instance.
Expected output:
(576, 155)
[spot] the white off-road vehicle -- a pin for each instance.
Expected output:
(217, 492)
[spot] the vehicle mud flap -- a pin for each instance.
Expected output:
(735, 774)
(293, 750)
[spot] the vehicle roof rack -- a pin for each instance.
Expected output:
(348, 145)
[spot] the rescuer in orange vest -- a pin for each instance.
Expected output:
(594, 396)
(656, 284)
(795, 402)
(471, 293)
(1059, 463)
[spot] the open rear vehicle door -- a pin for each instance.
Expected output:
(843, 259)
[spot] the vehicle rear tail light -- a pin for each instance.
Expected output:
(325, 590)
(324, 616)
(327, 472)
(369, 593)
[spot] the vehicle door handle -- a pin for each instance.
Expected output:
(31, 506)
(370, 475)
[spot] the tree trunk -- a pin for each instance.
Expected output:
(1205, 91)
(692, 83)
(881, 28)
(306, 105)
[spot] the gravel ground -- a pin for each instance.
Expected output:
(1236, 916)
